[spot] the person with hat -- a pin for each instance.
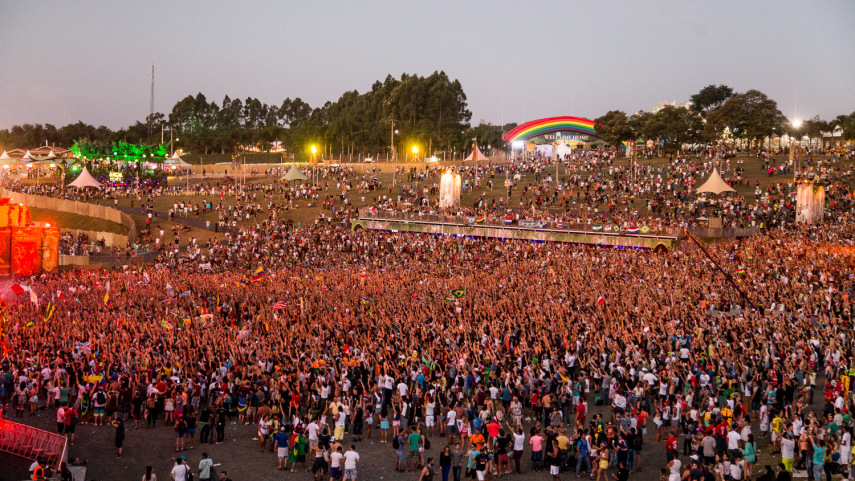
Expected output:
(280, 444)
(180, 470)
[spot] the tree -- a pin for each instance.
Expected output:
(847, 124)
(614, 127)
(710, 98)
(749, 116)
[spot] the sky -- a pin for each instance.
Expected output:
(61, 62)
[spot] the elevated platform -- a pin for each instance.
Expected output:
(463, 226)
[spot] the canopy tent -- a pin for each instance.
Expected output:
(5, 156)
(51, 155)
(294, 174)
(85, 179)
(715, 184)
(476, 155)
(27, 156)
(561, 150)
(175, 161)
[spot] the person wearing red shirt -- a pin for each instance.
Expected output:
(581, 413)
(671, 447)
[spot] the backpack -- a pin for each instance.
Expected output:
(101, 398)
(395, 443)
(427, 442)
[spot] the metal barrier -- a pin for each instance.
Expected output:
(31, 443)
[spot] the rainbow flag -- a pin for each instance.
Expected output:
(480, 220)
(740, 272)
(258, 274)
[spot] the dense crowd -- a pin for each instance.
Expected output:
(486, 349)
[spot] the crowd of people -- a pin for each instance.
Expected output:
(470, 357)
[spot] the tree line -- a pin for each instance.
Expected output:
(430, 112)
(716, 112)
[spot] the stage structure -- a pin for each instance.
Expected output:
(810, 203)
(26, 248)
(553, 136)
(449, 190)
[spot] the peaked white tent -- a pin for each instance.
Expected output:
(51, 155)
(476, 155)
(27, 156)
(175, 160)
(85, 179)
(5, 156)
(294, 174)
(715, 184)
(561, 150)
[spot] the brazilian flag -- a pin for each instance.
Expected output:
(458, 293)
(450, 299)
(49, 310)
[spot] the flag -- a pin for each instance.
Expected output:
(107, 300)
(108, 286)
(17, 289)
(29, 324)
(33, 297)
(364, 300)
(186, 322)
(279, 305)
(120, 321)
(258, 274)
(59, 294)
(601, 300)
(123, 289)
(49, 310)
(185, 293)
(597, 227)
(165, 324)
(480, 220)
(146, 277)
(450, 299)
(169, 290)
(633, 230)
(458, 293)
(740, 272)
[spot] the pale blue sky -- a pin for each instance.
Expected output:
(63, 61)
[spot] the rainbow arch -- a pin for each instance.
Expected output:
(551, 125)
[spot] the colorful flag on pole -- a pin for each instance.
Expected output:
(17, 289)
(120, 321)
(601, 300)
(146, 277)
(279, 305)
(740, 272)
(49, 310)
(107, 300)
(458, 293)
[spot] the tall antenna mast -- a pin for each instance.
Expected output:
(151, 103)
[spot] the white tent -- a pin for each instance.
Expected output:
(175, 161)
(715, 184)
(85, 179)
(294, 174)
(51, 155)
(5, 156)
(27, 156)
(561, 150)
(476, 155)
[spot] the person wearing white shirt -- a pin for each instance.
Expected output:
(788, 451)
(674, 469)
(845, 447)
(733, 439)
(335, 463)
(350, 459)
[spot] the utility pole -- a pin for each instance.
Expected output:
(151, 104)
(394, 157)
